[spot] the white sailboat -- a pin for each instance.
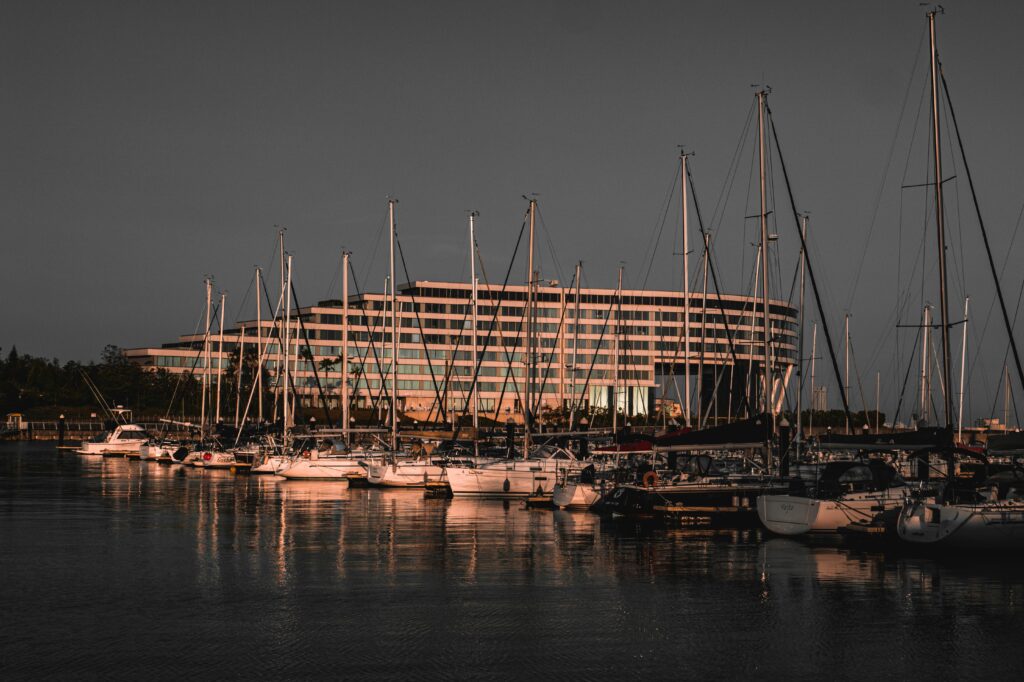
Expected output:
(989, 519)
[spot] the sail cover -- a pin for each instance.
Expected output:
(932, 438)
(1006, 444)
(749, 433)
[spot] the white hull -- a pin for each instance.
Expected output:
(793, 515)
(575, 495)
(994, 526)
(113, 448)
(506, 478)
(271, 465)
(403, 474)
(322, 469)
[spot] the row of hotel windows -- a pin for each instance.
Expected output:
(600, 299)
(515, 316)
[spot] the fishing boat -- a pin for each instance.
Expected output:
(124, 439)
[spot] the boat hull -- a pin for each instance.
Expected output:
(995, 527)
(520, 478)
(575, 495)
(403, 474)
(795, 515)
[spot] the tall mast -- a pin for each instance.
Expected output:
(394, 333)
(238, 378)
(344, 347)
(800, 345)
(963, 359)
(814, 349)
(926, 391)
(703, 334)
(686, 290)
(206, 355)
(846, 363)
(220, 354)
(259, 343)
(615, 355)
(940, 222)
(473, 282)
(765, 321)
(575, 348)
(280, 393)
(286, 413)
(528, 407)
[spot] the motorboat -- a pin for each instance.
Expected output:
(124, 439)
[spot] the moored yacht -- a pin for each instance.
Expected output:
(512, 477)
(844, 493)
(122, 440)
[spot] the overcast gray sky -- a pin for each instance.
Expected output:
(147, 144)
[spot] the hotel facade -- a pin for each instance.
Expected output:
(576, 338)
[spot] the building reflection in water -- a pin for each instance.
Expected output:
(248, 528)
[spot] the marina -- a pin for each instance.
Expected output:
(756, 416)
(269, 577)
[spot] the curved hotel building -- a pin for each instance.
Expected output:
(575, 342)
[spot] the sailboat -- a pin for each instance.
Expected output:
(990, 517)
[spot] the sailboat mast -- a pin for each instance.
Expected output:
(344, 347)
(765, 321)
(287, 350)
(473, 282)
(528, 407)
(940, 223)
(238, 378)
(394, 333)
(259, 343)
(925, 388)
(846, 363)
(615, 356)
(575, 348)
(800, 344)
(814, 349)
(686, 290)
(206, 355)
(703, 334)
(963, 359)
(280, 393)
(220, 354)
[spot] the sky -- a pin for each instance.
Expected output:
(144, 145)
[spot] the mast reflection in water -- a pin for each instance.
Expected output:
(121, 568)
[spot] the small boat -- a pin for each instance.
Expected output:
(122, 440)
(580, 491)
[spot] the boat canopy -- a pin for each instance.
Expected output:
(748, 433)
(1007, 444)
(932, 438)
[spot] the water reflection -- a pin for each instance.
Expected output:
(357, 582)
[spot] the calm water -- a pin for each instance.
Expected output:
(119, 569)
